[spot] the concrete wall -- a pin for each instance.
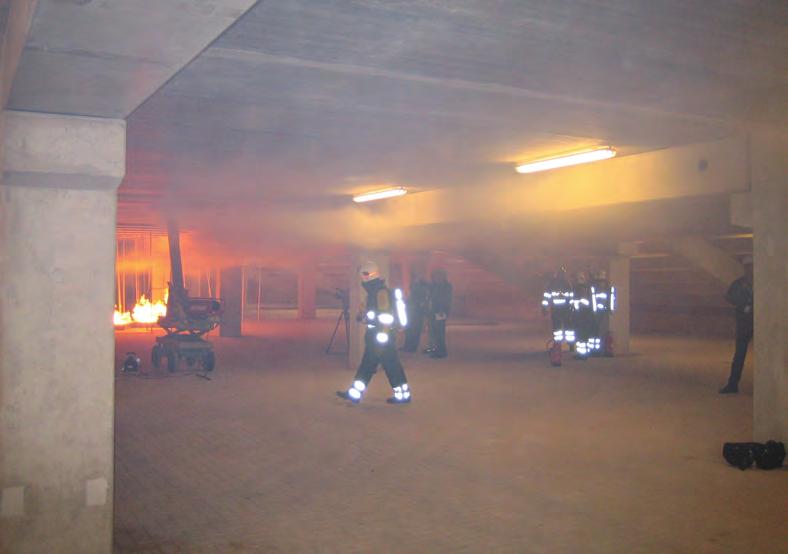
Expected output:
(232, 302)
(770, 227)
(57, 342)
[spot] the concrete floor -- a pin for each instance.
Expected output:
(498, 453)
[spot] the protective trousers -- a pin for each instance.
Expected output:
(380, 354)
(562, 325)
(584, 324)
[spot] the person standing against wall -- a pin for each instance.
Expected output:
(440, 303)
(741, 295)
(418, 304)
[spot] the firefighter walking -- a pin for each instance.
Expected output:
(384, 314)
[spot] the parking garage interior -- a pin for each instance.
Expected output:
(238, 132)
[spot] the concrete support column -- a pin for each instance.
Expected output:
(232, 302)
(56, 336)
(357, 299)
(618, 274)
(307, 289)
(770, 244)
(160, 270)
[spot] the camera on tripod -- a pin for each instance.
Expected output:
(344, 317)
(344, 296)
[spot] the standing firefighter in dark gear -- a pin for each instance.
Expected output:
(583, 317)
(741, 295)
(385, 313)
(558, 299)
(603, 302)
(440, 305)
(418, 306)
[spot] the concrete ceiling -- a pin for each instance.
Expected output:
(300, 103)
(103, 58)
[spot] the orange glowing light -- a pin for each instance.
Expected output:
(119, 318)
(144, 311)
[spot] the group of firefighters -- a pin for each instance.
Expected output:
(580, 314)
(385, 313)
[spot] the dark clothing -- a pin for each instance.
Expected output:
(561, 318)
(440, 297)
(558, 298)
(583, 322)
(602, 304)
(737, 364)
(440, 307)
(740, 294)
(380, 301)
(438, 330)
(383, 354)
(418, 305)
(413, 332)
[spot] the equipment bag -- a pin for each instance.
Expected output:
(743, 454)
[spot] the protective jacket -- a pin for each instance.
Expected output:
(558, 295)
(603, 296)
(385, 312)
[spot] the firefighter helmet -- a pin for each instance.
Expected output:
(369, 270)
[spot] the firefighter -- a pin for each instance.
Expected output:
(418, 305)
(440, 306)
(603, 302)
(582, 317)
(741, 295)
(385, 313)
(558, 299)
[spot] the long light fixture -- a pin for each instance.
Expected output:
(582, 157)
(380, 194)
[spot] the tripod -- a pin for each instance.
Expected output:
(343, 316)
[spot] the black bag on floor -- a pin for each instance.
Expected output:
(743, 454)
(739, 454)
(771, 456)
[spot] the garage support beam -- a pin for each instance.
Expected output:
(232, 302)
(618, 275)
(307, 289)
(770, 243)
(57, 343)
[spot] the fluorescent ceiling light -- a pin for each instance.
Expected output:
(585, 156)
(380, 194)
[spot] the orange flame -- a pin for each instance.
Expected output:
(144, 311)
(119, 318)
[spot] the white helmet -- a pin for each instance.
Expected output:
(369, 270)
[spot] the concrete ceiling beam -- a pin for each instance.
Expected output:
(106, 58)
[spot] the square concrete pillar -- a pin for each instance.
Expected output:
(57, 341)
(307, 289)
(770, 243)
(232, 302)
(618, 274)
(358, 297)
